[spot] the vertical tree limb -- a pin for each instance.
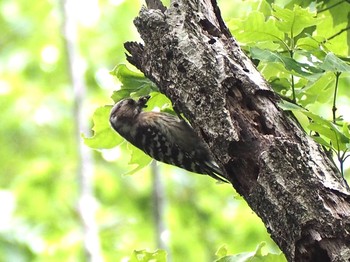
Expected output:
(86, 201)
(158, 196)
(285, 177)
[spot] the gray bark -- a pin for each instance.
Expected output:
(282, 173)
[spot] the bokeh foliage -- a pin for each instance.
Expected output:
(38, 182)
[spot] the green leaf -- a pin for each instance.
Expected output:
(120, 94)
(275, 70)
(334, 64)
(104, 136)
(134, 84)
(222, 251)
(280, 85)
(138, 158)
(293, 22)
(285, 105)
(130, 79)
(346, 130)
(158, 100)
(311, 43)
(333, 20)
(262, 6)
(255, 29)
(324, 131)
(290, 64)
(145, 256)
(320, 90)
(329, 130)
(323, 127)
(321, 141)
(256, 256)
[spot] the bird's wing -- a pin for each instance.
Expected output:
(176, 131)
(178, 143)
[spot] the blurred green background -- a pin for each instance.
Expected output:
(41, 190)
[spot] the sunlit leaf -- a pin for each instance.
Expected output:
(280, 85)
(321, 141)
(293, 22)
(334, 64)
(323, 127)
(310, 43)
(255, 29)
(256, 256)
(290, 64)
(158, 101)
(130, 79)
(104, 136)
(120, 94)
(222, 251)
(320, 90)
(324, 131)
(329, 130)
(285, 105)
(332, 21)
(145, 256)
(138, 158)
(134, 84)
(346, 130)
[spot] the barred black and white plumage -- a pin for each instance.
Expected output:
(163, 136)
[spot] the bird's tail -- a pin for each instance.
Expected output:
(213, 170)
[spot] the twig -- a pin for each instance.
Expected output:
(330, 7)
(340, 32)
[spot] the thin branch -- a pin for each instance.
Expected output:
(342, 161)
(330, 7)
(334, 107)
(340, 32)
(346, 157)
(158, 207)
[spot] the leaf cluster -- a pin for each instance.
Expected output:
(296, 51)
(222, 253)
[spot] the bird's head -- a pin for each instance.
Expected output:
(127, 109)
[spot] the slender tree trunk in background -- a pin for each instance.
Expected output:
(86, 201)
(158, 196)
(281, 172)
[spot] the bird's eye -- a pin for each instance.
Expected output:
(131, 101)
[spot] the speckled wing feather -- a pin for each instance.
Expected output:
(176, 144)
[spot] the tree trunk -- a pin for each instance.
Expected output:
(282, 173)
(85, 173)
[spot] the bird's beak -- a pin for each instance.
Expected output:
(143, 100)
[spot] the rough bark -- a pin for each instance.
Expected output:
(282, 173)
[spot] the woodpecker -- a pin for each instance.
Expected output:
(163, 136)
